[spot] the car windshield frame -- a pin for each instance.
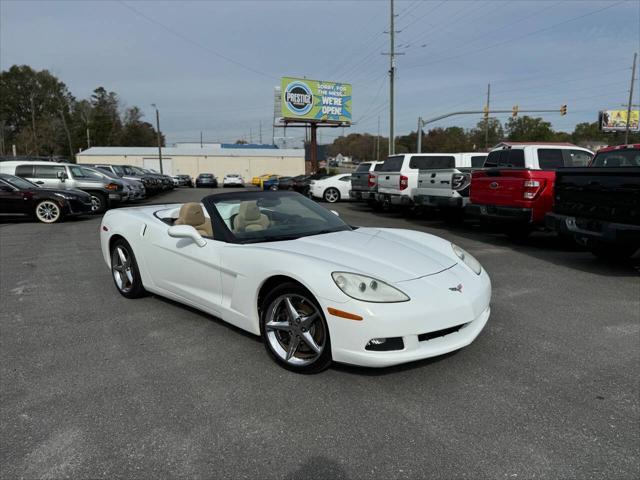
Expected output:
(266, 201)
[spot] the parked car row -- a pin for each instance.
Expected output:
(518, 186)
(50, 191)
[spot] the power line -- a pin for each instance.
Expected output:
(535, 32)
(197, 44)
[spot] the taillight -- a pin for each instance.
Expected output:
(404, 182)
(459, 181)
(531, 189)
(112, 186)
(372, 180)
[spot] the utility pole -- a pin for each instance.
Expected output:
(392, 68)
(419, 135)
(633, 79)
(88, 138)
(486, 118)
(378, 141)
(250, 135)
(200, 138)
(260, 132)
(159, 138)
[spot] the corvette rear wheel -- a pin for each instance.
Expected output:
(124, 269)
(294, 330)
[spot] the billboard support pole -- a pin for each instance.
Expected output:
(633, 79)
(314, 147)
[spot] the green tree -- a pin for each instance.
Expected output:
(529, 129)
(105, 123)
(477, 134)
(137, 133)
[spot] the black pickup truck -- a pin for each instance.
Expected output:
(600, 205)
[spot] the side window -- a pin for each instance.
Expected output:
(346, 178)
(77, 172)
(378, 167)
(477, 161)
(514, 158)
(493, 159)
(432, 162)
(363, 167)
(25, 171)
(550, 158)
(578, 158)
(48, 171)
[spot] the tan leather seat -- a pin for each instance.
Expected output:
(249, 218)
(192, 214)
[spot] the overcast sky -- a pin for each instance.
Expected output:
(212, 66)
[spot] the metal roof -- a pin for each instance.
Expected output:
(207, 150)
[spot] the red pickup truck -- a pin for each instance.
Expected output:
(515, 186)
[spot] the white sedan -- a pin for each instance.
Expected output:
(331, 189)
(316, 290)
(232, 180)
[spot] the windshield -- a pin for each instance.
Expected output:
(137, 171)
(272, 216)
(617, 158)
(18, 182)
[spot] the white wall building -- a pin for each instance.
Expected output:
(216, 159)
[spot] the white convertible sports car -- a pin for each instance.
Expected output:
(316, 289)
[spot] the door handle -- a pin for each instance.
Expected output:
(40, 182)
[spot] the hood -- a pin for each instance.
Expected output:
(69, 191)
(382, 254)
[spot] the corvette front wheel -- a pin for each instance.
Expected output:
(124, 270)
(294, 330)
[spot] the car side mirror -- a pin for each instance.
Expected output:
(61, 176)
(335, 213)
(187, 231)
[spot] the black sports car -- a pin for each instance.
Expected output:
(207, 180)
(21, 197)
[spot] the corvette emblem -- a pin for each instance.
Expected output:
(457, 288)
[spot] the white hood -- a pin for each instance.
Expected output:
(383, 254)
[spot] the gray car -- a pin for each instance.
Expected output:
(105, 191)
(133, 187)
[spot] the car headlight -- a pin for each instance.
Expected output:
(367, 289)
(467, 258)
(65, 196)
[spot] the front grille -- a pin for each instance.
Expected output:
(439, 333)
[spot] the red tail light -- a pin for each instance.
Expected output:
(372, 180)
(532, 188)
(404, 182)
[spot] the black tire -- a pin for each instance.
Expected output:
(331, 195)
(612, 252)
(323, 361)
(136, 288)
(99, 202)
(48, 211)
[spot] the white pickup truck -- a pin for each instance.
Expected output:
(447, 185)
(398, 177)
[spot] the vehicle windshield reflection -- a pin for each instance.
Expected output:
(273, 216)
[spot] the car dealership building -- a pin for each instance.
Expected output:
(192, 159)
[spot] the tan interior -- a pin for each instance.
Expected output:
(192, 214)
(249, 218)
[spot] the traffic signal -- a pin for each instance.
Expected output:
(563, 110)
(514, 111)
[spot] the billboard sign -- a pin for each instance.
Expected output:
(315, 100)
(616, 120)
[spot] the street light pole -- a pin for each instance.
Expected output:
(158, 134)
(633, 80)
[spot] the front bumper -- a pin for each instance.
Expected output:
(78, 206)
(585, 230)
(433, 308)
(500, 214)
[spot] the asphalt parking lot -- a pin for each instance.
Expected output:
(97, 386)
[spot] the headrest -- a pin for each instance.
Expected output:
(249, 211)
(191, 214)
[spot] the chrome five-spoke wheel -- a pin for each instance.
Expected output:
(296, 332)
(331, 195)
(125, 270)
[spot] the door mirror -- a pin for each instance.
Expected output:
(61, 175)
(187, 231)
(335, 213)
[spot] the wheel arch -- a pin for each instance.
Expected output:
(272, 282)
